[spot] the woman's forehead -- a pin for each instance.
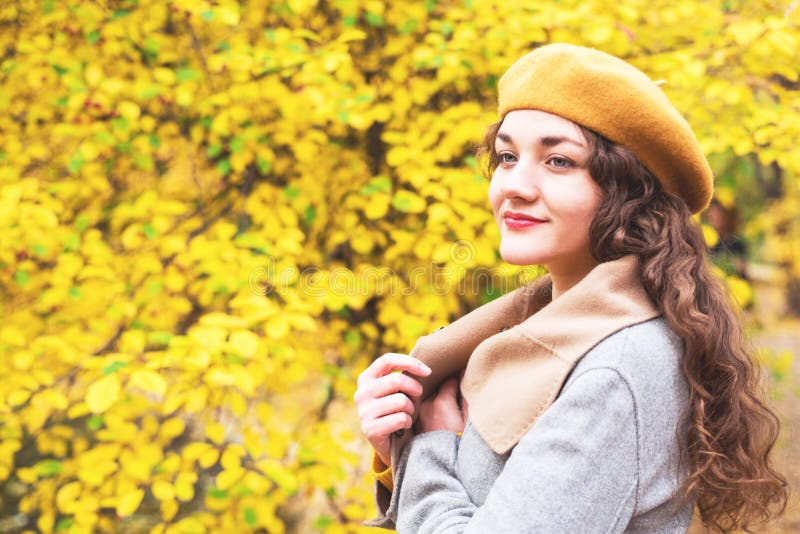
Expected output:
(529, 125)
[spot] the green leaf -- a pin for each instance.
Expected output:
(373, 19)
(224, 167)
(149, 231)
(401, 203)
(113, 367)
(72, 242)
(490, 293)
(105, 137)
(159, 337)
(75, 163)
(93, 37)
(39, 249)
(250, 517)
(144, 161)
(237, 144)
(95, 422)
(120, 124)
(150, 92)
(22, 278)
(47, 468)
(82, 222)
(155, 286)
(155, 142)
(349, 21)
(60, 70)
(408, 26)
(120, 13)
(217, 493)
(185, 74)
(75, 292)
(381, 183)
(214, 150)
(322, 522)
(65, 523)
(264, 166)
(352, 338)
(309, 214)
(207, 15)
(290, 192)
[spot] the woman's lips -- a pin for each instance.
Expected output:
(518, 221)
(517, 224)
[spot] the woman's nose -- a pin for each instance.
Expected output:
(521, 182)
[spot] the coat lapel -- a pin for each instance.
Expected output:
(519, 349)
(513, 376)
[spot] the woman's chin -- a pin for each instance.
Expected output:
(519, 257)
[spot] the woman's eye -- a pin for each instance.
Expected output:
(503, 157)
(559, 162)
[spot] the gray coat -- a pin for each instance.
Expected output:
(608, 455)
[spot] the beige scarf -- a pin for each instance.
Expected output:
(519, 349)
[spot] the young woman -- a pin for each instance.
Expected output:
(613, 395)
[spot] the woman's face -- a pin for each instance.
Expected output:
(541, 193)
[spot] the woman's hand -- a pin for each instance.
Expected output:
(441, 411)
(385, 398)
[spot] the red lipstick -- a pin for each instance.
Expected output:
(516, 220)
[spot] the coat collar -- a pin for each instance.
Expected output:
(520, 348)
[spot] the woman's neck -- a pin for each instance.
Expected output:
(564, 276)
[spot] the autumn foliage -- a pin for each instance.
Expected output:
(213, 215)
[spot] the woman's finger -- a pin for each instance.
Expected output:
(386, 385)
(448, 392)
(392, 361)
(396, 402)
(376, 430)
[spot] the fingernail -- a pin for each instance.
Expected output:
(425, 368)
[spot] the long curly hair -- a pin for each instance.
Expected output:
(731, 430)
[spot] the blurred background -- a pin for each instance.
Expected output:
(215, 214)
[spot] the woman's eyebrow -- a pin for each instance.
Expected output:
(547, 141)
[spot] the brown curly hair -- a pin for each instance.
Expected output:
(731, 430)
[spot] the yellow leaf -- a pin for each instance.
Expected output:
(229, 15)
(208, 458)
(18, 397)
(352, 35)
(710, 235)
(94, 75)
(228, 477)
(184, 486)
(129, 110)
(162, 490)
(67, 497)
(103, 393)
(149, 381)
(171, 428)
(244, 342)
(215, 432)
(129, 502)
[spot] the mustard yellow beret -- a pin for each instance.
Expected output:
(618, 101)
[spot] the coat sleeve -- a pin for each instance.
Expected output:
(576, 470)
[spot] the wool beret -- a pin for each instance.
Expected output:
(618, 101)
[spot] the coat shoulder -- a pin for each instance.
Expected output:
(644, 354)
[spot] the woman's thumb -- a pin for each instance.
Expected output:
(449, 389)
